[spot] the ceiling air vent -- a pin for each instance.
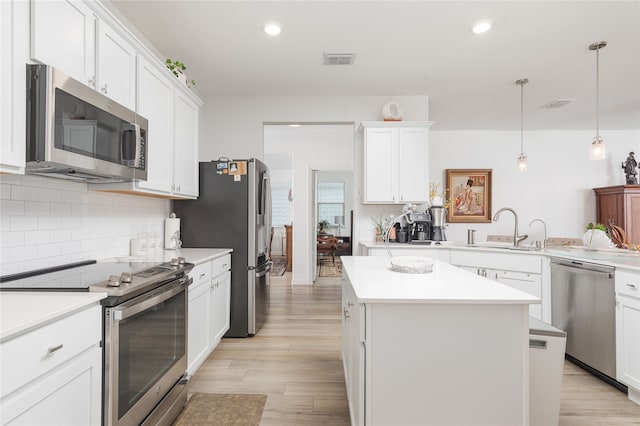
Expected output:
(557, 103)
(338, 58)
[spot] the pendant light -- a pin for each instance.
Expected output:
(522, 158)
(598, 148)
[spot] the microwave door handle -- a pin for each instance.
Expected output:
(136, 162)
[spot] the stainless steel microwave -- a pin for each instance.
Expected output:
(77, 133)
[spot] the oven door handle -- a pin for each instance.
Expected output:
(127, 310)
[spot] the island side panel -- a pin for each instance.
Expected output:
(447, 364)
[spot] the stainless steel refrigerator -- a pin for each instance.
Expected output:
(234, 211)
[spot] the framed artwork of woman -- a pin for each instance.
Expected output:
(469, 195)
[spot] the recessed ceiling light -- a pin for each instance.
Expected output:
(272, 29)
(482, 27)
(294, 125)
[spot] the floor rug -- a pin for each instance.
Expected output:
(328, 269)
(212, 409)
(279, 266)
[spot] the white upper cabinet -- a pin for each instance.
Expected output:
(116, 63)
(63, 35)
(155, 103)
(185, 149)
(395, 162)
(14, 45)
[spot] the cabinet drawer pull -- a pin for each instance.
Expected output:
(631, 286)
(346, 314)
(202, 275)
(537, 344)
(53, 349)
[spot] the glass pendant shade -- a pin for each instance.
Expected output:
(523, 162)
(598, 149)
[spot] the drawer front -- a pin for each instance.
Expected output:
(628, 283)
(201, 274)
(505, 261)
(221, 264)
(33, 354)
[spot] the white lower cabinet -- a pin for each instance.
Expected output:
(209, 309)
(520, 271)
(628, 331)
(353, 353)
(53, 375)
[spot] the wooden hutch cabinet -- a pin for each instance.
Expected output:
(621, 204)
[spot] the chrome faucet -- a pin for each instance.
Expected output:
(544, 242)
(516, 237)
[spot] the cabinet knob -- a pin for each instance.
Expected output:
(104, 89)
(178, 188)
(346, 314)
(92, 81)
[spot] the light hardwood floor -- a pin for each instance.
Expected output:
(295, 361)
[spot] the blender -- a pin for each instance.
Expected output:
(437, 223)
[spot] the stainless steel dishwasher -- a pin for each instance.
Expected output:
(583, 304)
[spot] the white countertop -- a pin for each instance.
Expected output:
(23, 311)
(619, 258)
(191, 255)
(374, 282)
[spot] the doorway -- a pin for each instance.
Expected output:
(309, 147)
(333, 216)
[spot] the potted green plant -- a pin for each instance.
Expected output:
(178, 68)
(379, 226)
(596, 236)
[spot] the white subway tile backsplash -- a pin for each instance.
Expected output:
(36, 237)
(36, 208)
(23, 223)
(60, 209)
(46, 222)
(50, 195)
(26, 193)
(12, 208)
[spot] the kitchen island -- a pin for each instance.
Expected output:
(446, 347)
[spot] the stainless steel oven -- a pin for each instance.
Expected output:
(145, 355)
(144, 332)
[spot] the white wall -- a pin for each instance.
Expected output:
(47, 222)
(557, 187)
(314, 147)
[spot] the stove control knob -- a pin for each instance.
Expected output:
(126, 277)
(114, 281)
(174, 261)
(181, 260)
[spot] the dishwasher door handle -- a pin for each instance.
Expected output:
(582, 269)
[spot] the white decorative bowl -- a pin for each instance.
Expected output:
(411, 264)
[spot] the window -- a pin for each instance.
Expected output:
(330, 201)
(280, 204)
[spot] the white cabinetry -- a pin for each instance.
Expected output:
(520, 271)
(88, 49)
(353, 353)
(220, 298)
(185, 149)
(628, 331)
(199, 316)
(395, 162)
(116, 63)
(209, 308)
(63, 34)
(14, 45)
(53, 374)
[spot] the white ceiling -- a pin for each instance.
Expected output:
(415, 48)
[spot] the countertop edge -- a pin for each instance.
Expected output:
(75, 304)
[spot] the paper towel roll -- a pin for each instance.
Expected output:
(171, 233)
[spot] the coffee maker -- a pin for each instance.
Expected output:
(438, 215)
(420, 228)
